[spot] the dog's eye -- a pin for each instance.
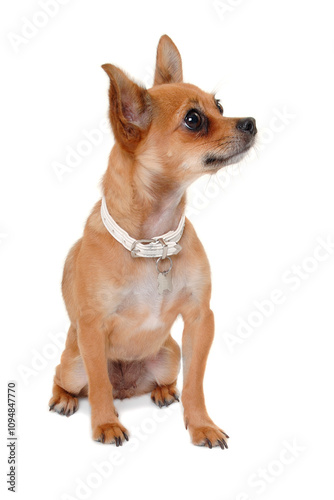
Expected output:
(219, 106)
(193, 119)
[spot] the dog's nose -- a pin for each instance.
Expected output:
(247, 125)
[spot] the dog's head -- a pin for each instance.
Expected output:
(174, 130)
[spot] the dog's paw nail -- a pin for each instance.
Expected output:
(209, 443)
(222, 443)
(126, 436)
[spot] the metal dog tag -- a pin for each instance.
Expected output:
(165, 277)
(165, 281)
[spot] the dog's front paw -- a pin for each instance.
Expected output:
(111, 433)
(208, 435)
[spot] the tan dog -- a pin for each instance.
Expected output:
(122, 303)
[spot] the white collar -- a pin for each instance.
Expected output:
(159, 246)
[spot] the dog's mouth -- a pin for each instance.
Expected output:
(216, 161)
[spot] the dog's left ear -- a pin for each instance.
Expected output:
(169, 63)
(130, 108)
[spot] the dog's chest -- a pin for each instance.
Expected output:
(149, 298)
(141, 321)
(155, 292)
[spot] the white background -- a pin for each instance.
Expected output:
(271, 390)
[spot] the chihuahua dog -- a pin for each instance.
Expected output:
(139, 263)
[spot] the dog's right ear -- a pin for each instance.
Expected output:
(168, 67)
(130, 108)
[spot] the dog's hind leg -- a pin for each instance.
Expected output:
(70, 379)
(164, 368)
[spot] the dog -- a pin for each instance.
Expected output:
(140, 263)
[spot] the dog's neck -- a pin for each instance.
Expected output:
(143, 206)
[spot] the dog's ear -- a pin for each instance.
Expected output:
(130, 108)
(168, 67)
